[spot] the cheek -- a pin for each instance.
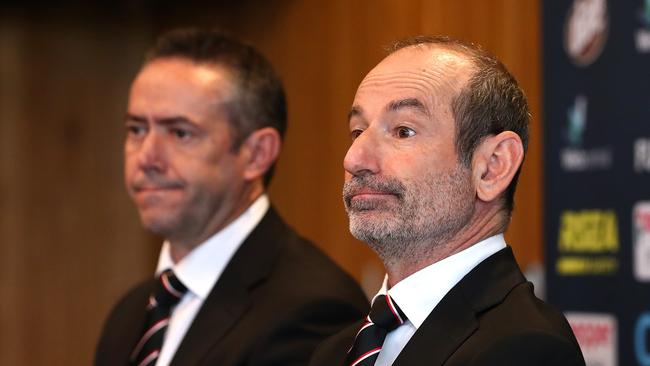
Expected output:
(212, 170)
(419, 162)
(129, 167)
(406, 161)
(441, 155)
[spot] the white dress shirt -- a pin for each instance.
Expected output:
(200, 270)
(418, 294)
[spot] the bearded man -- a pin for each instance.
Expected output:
(439, 131)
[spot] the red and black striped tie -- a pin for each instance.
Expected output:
(384, 316)
(169, 290)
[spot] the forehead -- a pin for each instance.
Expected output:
(178, 76)
(430, 74)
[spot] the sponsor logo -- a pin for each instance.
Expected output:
(642, 35)
(575, 158)
(588, 243)
(597, 336)
(585, 31)
(641, 240)
(642, 155)
(641, 330)
(577, 121)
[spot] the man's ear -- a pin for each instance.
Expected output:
(263, 148)
(495, 163)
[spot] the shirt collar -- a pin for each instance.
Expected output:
(202, 267)
(418, 294)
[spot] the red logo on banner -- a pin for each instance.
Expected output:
(585, 31)
(597, 335)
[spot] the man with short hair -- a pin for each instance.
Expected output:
(439, 131)
(235, 285)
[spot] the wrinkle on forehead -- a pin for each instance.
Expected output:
(423, 81)
(430, 69)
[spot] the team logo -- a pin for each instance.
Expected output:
(585, 31)
(642, 37)
(641, 240)
(575, 157)
(597, 336)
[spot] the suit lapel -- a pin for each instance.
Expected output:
(227, 302)
(124, 328)
(451, 322)
(230, 298)
(455, 318)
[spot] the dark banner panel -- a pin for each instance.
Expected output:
(597, 174)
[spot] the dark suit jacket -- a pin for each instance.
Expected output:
(491, 317)
(276, 300)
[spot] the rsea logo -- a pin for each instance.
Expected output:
(588, 243)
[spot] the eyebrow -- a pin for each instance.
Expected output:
(355, 111)
(408, 103)
(163, 121)
(394, 106)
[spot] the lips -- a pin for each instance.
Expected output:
(155, 188)
(152, 187)
(362, 193)
(366, 193)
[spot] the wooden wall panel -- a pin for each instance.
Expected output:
(70, 241)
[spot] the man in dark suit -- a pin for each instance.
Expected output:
(235, 285)
(439, 131)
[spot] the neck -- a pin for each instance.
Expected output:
(486, 221)
(182, 246)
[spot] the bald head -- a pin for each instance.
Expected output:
(444, 69)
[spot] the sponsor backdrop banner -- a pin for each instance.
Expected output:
(597, 174)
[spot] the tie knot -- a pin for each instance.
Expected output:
(386, 314)
(169, 290)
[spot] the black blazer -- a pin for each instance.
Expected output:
(276, 300)
(491, 317)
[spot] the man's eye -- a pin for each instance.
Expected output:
(135, 130)
(404, 132)
(355, 133)
(180, 133)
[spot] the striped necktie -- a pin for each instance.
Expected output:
(384, 316)
(168, 291)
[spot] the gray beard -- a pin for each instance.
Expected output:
(423, 215)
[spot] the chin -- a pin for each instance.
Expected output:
(162, 225)
(370, 217)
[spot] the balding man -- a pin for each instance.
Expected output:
(439, 131)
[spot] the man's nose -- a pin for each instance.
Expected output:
(363, 155)
(151, 154)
